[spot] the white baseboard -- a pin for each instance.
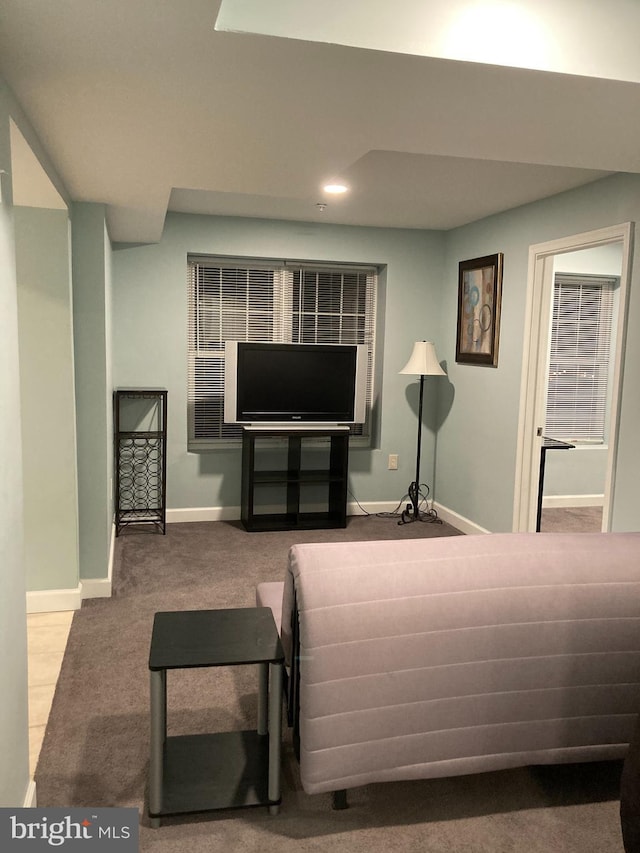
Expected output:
(217, 513)
(556, 501)
(51, 600)
(203, 513)
(453, 518)
(463, 524)
(95, 588)
(101, 587)
(30, 799)
(372, 507)
(232, 513)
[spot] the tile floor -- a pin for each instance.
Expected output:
(47, 635)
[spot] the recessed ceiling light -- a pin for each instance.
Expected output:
(335, 189)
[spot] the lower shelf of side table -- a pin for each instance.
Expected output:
(215, 771)
(296, 521)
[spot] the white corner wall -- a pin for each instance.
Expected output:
(47, 398)
(91, 254)
(14, 732)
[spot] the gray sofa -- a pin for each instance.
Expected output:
(436, 657)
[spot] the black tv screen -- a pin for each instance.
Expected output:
(293, 383)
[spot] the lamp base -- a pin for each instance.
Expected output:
(412, 511)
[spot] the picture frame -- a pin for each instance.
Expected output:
(479, 303)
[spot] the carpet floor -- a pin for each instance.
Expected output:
(95, 751)
(572, 519)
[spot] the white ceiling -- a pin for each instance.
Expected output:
(144, 106)
(586, 37)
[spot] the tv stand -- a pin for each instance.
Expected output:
(291, 482)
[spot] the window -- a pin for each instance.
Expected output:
(277, 301)
(581, 358)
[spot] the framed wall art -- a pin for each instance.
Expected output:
(479, 297)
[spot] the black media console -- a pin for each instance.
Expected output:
(294, 478)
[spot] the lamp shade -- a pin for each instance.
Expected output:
(423, 361)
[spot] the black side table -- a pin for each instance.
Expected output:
(547, 444)
(193, 773)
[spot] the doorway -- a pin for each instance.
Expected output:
(544, 260)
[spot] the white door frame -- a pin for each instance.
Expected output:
(533, 393)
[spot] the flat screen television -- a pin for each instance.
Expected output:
(281, 383)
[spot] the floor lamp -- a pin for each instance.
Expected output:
(423, 362)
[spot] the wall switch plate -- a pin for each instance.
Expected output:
(393, 461)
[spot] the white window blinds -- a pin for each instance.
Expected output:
(283, 301)
(581, 358)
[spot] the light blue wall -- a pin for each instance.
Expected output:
(581, 471)
(477, 439)
(600, 260)
(150, 338)
(473, 412)
(92, 342)
(14, 732)
(48, 405)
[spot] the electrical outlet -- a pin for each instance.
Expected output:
(393, 461)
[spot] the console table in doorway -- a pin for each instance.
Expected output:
(547, 444)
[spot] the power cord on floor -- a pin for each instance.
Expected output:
(364, 511)
(404, 509)
(417, 499)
